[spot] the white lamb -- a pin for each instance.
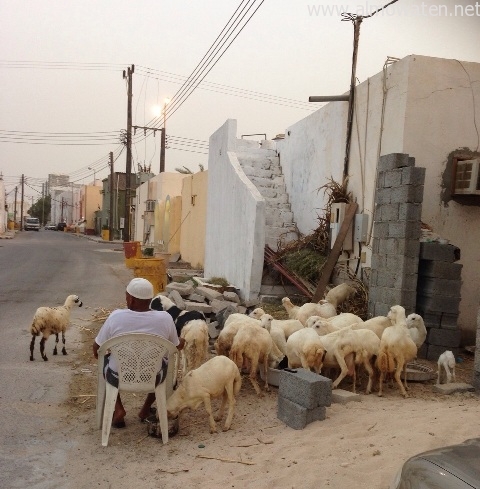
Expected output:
(195, 351)
(447, 361)
(302, 313)
(304, 349)
(325, 326)
(396, 349)
(339, 294)
(363, 344)
(257, 313)
(416, 329)
(217, 377)
(232, 325)
(52, 320)
(254, 344)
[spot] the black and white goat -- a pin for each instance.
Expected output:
(52, 320)
(180, 316)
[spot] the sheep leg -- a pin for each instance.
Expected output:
(228, 394)
(398, 371)
(42, 348)
(253, 376)
(64, 352)
(449, 375)
(343, 373)
(208, 408)
(56, 343)
(369, 370)
(453, 373)
(380, 384)
(265, 371)
(32, 345)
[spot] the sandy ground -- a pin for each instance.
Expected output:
(361, 444)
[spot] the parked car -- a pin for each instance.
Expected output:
(51, 227)
(450, 467)
(61, 226)
(31, 223)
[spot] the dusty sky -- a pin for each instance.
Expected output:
(61, 64)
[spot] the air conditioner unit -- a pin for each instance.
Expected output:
(150, 205)
(467, 177)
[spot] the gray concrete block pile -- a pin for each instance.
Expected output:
(303, 397)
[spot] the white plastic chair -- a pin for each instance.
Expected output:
(139, 359)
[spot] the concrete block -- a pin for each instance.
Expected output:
(218, 305)
(404, 229)
(208, 293)
(197, 306)
(434, 351)
(380, 230)
(381, 309)
(213, 332)
(431, 319)
(422, 352)
(383, 196)
(440, 269)
(439, 252)
(231, 297)
(305, 388)
(413, 176)
(407, 194)
(409, 212)
(196, 298)
(177, 298)
(379, 262)
(395, 160)
(392, 178)
(447, 338)
(439, 286)
(404, 264)
(439, 303)
(340, 396)
(449, 321)
(183, 289)
(452, 387)
(296, 416)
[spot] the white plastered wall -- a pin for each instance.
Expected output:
(235, 228)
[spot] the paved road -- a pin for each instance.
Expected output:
(37, 269)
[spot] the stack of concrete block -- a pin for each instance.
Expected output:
(302, 397)
(438, 297)
(396, 233)
(476, 364)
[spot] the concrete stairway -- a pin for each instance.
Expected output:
(262, 167)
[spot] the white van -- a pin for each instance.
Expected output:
(31, 223)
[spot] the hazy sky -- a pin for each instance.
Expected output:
(61, 68)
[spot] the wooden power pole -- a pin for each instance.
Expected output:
(21, 203)
(110, 211)
(128, 170)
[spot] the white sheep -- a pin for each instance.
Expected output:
(195, 351)
(339, 294)
(447, 361)
(325, 326)
(302, 313)
(254, 344)
(396, 349)
(217, 377)
(378, 324)
(257, 313)
(52, 320)
(416, 329)
(233, 323)
(362, 343)
(305, 349)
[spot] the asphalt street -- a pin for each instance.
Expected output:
(42, 269)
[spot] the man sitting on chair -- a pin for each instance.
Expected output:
(138, 318)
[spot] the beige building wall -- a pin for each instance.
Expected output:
(91, 199)
(194, 217)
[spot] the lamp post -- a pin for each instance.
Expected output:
(94, 175)
(164, 130)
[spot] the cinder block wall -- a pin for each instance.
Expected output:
(476, 366)
(396, 234)
(438, 298)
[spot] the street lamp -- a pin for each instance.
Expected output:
(94, 173)
(164, 130)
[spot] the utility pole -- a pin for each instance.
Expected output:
(128, 170)
(110, 211)
(15, 208)
(21, 203)
(162, 150)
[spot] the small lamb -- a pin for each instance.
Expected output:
(217, 377)
(52, 320)
(447, 361)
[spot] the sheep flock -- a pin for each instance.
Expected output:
(315, 337)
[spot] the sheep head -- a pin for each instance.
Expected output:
(161, 303)
(257, 313)
(314, 356)
(266, 321)
(73, 299)
(311, 321)
(397, 315)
